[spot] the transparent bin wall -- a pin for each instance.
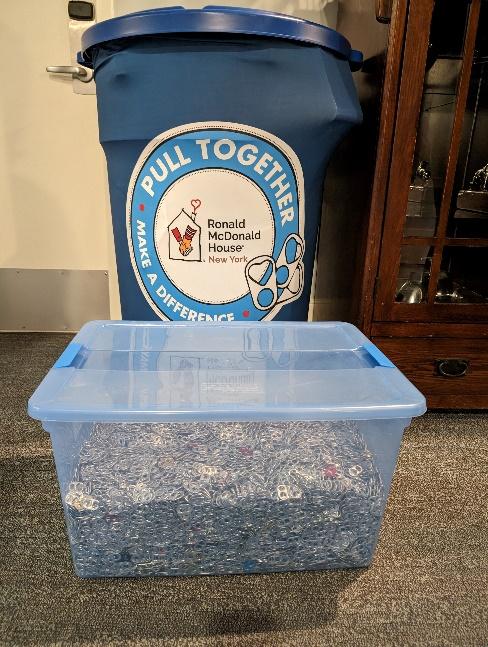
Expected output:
(217, 497)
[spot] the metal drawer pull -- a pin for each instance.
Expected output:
(452, 367)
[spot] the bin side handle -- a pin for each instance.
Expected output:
(68, 356)
(355, 60)
(377, 355)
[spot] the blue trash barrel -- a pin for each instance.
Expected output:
(217, 125)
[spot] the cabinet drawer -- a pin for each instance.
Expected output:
(458, 384)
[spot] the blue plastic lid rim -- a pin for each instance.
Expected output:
(213, 19)
(87, 385)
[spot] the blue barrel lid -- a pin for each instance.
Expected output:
(214, 19)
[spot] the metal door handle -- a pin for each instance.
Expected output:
(76, 71)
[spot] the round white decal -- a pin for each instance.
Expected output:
(233, 223)
(215, 223)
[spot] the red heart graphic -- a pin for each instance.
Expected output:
(195, 204)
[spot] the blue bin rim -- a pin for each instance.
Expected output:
(216, 19)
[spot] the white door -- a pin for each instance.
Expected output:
(55, 207)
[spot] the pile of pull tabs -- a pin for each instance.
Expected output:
(222, 497)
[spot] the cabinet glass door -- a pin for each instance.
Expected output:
(434, 255)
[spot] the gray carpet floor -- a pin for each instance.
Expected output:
(428, 584)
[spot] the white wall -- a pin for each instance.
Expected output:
(324, 11)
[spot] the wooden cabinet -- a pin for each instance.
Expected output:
(423, 296)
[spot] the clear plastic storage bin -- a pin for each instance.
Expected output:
(185, 449)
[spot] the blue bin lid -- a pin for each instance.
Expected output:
(120, 371)
(214, 19)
